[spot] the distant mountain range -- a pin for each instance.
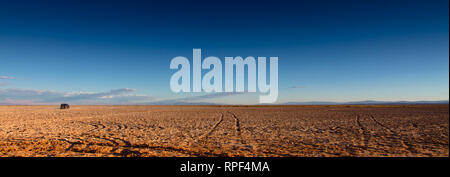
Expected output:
(365, 102)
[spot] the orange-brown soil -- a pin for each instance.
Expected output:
(168, 131)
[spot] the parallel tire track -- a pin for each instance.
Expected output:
(405, 144)
(365, 135)
(97, 127)
(127, 151)
(382, 125)
(237, 126)
(238, 138)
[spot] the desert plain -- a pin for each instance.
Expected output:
(225, 131)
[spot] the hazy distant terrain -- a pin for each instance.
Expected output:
(339, 130)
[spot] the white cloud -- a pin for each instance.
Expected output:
(33, 96)
(7, 77)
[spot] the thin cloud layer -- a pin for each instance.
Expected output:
(7, 77)
(32, 96)
(297, 87)
(196, 100)
(4, 83)
(211, 95)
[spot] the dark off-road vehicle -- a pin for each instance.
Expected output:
(64, 106)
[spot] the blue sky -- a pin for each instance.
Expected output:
(119, 52)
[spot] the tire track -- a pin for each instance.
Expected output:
(382, 125)
(201, 137)
(239, 141)
(405, 144)
(72, 144)
(128, 151)
(365, 135)
(115, 142)
(237, 126)
(179, 150)
(119, 127)
(97, 127)
(109, 140)
(124, 142)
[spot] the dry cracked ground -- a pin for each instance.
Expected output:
(274, 131)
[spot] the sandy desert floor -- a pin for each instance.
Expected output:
(168, 131)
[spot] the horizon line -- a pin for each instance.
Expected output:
(291, 103)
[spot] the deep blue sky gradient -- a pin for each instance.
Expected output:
(328, 50)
